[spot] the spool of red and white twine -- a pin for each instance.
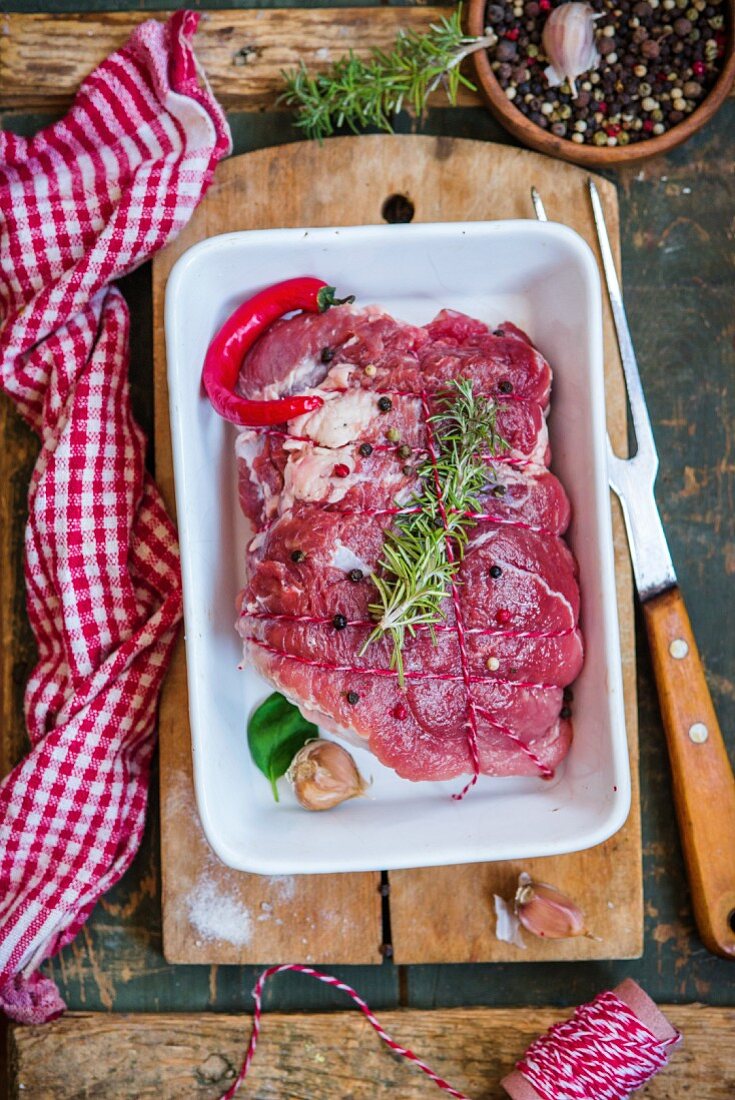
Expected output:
(610, 1047)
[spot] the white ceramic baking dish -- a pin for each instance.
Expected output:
(544, 278)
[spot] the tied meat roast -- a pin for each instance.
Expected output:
(321, 492)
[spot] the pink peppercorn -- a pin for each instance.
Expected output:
(648, 125)
(699, 68)
(612, 130)
(602, 107)
(399, 711)
(544, 5)
(341, 470)
(502, 616)
(512, 34)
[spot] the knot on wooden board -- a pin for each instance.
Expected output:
(246, 55)
(215, 1070)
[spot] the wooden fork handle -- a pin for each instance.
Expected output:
(704, 786)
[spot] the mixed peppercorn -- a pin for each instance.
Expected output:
(659, 59)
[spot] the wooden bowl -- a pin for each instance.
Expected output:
(606, 156)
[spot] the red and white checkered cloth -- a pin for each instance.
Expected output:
(81, 204)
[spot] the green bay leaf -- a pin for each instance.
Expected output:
(276, 732)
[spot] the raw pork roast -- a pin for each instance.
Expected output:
(320, 503)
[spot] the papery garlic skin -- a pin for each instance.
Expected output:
(546, 912)
(323, 774)
(569, 43)
(507, 924)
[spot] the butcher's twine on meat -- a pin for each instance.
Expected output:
(81, 204)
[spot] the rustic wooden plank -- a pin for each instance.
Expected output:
(43, 58)
(600, 878)
(324, 918)
(328, 1055)
(438, 914)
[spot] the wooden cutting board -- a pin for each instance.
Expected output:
(215, 915)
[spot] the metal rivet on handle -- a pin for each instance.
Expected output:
(678, 648)
(698, 733)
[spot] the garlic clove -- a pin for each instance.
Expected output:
(323, 774)
(569, 42)
(546, 912)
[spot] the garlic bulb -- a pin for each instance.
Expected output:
(569, 43)
(546, 912)
(323, 774)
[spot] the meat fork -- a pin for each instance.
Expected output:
(703, 782)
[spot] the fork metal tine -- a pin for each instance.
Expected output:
(632, 478)
(646, 447)
(538, 206)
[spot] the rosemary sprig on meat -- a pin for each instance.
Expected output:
(417, 567)
(357, 92)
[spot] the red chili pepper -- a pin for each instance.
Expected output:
(234, 340)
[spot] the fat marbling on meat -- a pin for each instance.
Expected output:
(320, 502)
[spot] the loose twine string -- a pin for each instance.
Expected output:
(361, 1004)
(480, 517)
(603, 1052)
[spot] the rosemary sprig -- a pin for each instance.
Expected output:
(417, 569)
(358, 92)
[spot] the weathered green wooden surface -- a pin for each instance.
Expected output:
(679, 272)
